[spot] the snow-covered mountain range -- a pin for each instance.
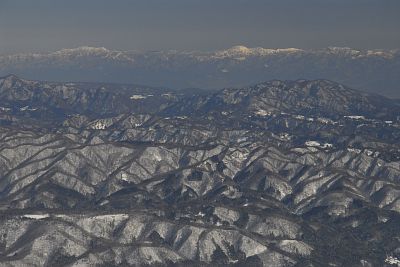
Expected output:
(279, 174)
(375, 71)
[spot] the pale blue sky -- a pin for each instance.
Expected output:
(48, 25)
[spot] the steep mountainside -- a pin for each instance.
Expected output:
(368, 70)
(282, 173)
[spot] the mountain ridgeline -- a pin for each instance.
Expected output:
(367, 70)
(280, 173)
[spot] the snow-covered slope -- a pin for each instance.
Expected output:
(282, 173)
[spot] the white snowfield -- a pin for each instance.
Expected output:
(137, 97)
(355, 117)
(392, 261)
(99, 125)
(355, 150)
(318, 144)
(36, 216)
(27, 108)
(262, 112)
(124, 177)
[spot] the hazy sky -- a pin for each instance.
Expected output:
(43, 25)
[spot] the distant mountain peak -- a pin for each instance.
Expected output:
(9, 76)
(88, 50)
(241, 50)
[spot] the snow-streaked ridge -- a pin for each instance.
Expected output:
(70, 54)
(239, 52)
(82, 49)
